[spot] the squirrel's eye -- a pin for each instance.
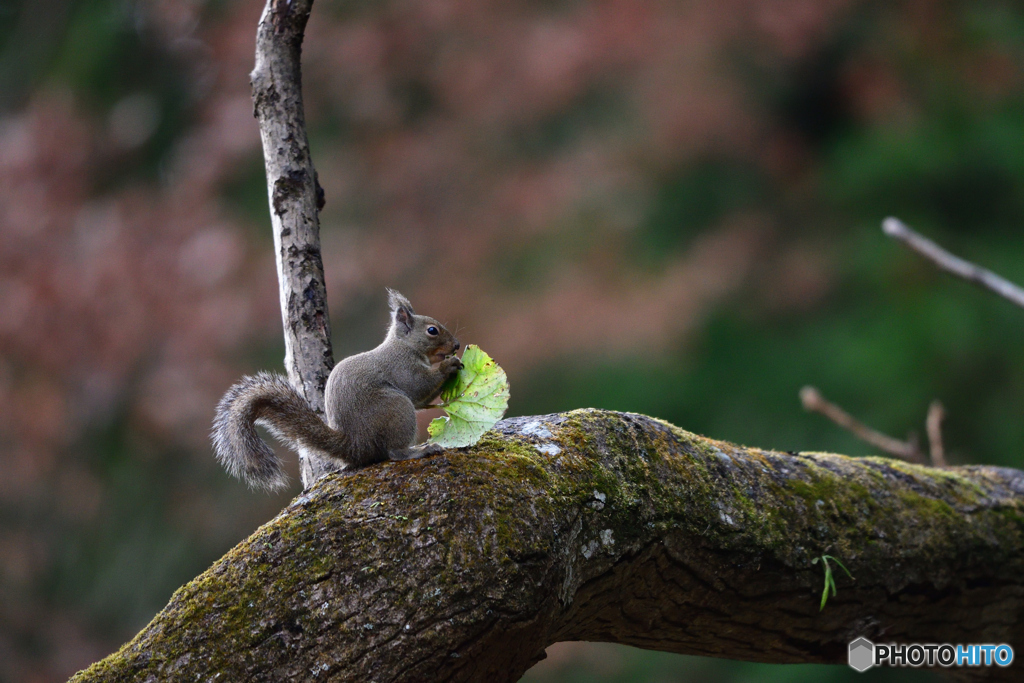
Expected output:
(432, 331)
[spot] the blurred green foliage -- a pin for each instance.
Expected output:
(892, 333)
(695, 199)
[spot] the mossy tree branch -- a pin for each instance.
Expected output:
(596, 526)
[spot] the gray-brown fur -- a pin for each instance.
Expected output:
(370, 398)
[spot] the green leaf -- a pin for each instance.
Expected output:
(829, 557)
(475, 399)
(830, 581)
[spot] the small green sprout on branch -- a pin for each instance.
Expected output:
(829, 580)
(475, 399)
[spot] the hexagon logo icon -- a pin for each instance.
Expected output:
(862, 655)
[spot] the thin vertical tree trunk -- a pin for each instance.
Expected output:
(295, 201)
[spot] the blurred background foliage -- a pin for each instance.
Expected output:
(668, 208)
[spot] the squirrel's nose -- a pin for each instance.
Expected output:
(456, 345)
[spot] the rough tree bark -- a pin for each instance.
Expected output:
(596, 526)
(295, 200)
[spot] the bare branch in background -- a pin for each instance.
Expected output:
(946, 261)
(936, 414)
(295, 201)
(814, 402)
(908, 450)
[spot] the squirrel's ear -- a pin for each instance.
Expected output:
(396, 301)
(401, 311)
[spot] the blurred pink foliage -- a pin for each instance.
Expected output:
(457, 192)
(134, 299)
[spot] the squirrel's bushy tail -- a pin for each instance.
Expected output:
(268, 399)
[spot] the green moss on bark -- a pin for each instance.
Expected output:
(421, 569)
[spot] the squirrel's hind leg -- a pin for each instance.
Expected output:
(413, 452)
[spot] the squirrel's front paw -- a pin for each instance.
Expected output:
(453, 364)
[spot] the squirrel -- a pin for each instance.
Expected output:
(371, 400)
